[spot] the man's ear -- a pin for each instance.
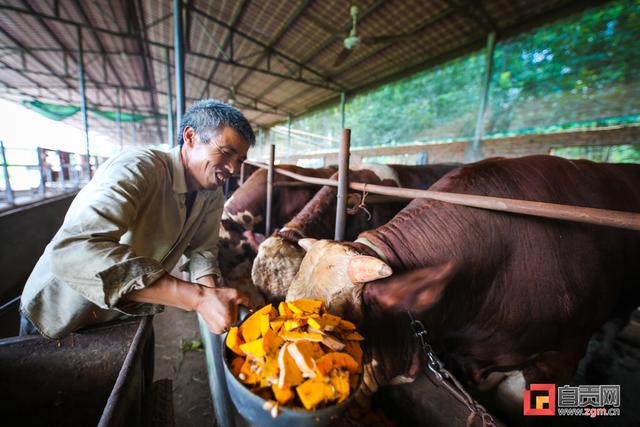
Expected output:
(189, 136)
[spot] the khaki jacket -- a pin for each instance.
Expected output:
(122, 232)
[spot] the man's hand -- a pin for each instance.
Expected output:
(217, 306)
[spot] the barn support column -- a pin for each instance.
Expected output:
(179, 59)
(120, 137)
(272, 157)
(343, 185)
(170, 126)
(343, 101)
(473, 152)
(83, 100)
(5, 170)
(289, 148)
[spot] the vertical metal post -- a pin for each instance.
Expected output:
(343, 185)
(179, 59)
(133, 134)
(272, 157)
(170, 125)
(41, 164)
(343, 101)
(7, 181)
(241, 174)
(289, 149)
(83, 99)
(120, 136)
(473, 153)
(62, 180)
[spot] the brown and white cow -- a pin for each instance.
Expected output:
(279, 256)
(497, 292)
(243, 219)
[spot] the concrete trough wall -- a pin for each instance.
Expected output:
(25, 232)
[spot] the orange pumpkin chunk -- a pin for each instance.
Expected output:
(254, 348)
(234, 340)
(251, 326)
(314, 392)
(282, 395)
(303, 358)
(330, 361)
(290, 374)
(340, 383)
(305, 305)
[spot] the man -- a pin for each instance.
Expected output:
(129, 226)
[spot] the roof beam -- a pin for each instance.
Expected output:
(475, 12)
(36, 58)
(59, 42)
(136, 17)
(254, 102)
(228, 38)
(345, 28)
(326, 82)
(291, 20)
(84, 15)
(433, 20)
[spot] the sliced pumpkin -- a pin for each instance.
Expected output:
(314, 392)
(251, 326)
(276, 324)
(290, 325)
(236, 366)
(271, 343)
(336, 360)
(290, 375)
(340, 382)
(296, 336)
(352, 336)
(303, 358)
(248, 373)
(345, 324)
(254, 348)
(283, 309)
(282, 395)
(265, 323)
(302, 306)
(353, 348)
(234, 340)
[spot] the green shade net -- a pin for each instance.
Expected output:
(60, 112)
(123, 117)
(52, 111)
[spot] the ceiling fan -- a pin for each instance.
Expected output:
(352, 41)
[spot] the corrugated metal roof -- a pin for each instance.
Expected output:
(276, 57)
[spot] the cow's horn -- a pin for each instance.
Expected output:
(306, 243)
(364, 269)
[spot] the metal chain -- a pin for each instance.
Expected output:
(446, 378)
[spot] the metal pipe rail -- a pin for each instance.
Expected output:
(606, 217)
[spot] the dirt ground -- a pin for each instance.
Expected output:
(187, 369)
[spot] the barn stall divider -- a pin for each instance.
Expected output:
(227, 415)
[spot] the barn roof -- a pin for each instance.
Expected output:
(274, 58)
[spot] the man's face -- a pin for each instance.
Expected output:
(208, 165)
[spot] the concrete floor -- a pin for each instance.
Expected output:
(188, 370)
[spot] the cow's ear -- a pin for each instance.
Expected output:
(306, 243)
(363, 269)
(415, 290)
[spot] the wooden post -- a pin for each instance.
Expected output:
(268, 222)
(473, 153)
(343, 185)
(242, 173)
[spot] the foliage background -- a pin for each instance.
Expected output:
(580, 72)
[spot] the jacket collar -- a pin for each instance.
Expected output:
(177, 171)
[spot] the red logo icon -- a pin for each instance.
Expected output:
(540, 399)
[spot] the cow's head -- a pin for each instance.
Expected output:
(358, 285)
(336, 273)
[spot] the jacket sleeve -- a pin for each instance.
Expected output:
(202, 252)
(86, 252)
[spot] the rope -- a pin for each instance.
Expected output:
(361, 206)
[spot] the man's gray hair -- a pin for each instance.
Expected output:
(208, 116)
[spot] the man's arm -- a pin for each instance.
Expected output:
(217, 306)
